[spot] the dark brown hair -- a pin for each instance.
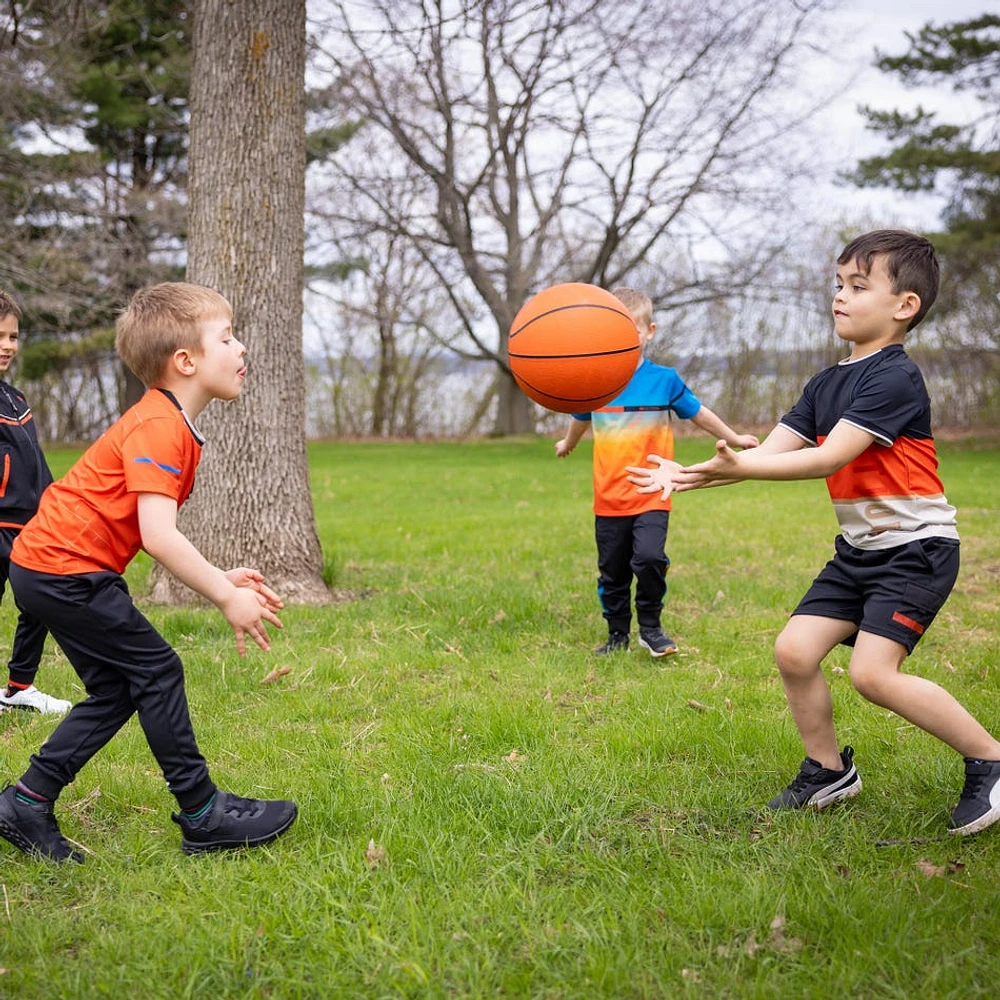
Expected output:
(910, 262)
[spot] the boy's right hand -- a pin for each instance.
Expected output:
(720, 470)
(243, 576)
(562, 448)
(245, 612)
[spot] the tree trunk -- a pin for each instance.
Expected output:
(515, 412)
(251, 504)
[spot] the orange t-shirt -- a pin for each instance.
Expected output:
(88, 521)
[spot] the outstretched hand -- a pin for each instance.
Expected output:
(659, 478)
(720, 470)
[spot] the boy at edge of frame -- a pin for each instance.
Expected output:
(66, 569)
(864, 425)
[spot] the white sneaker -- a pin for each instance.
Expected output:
(33, 700)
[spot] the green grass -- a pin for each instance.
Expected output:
(542, 824)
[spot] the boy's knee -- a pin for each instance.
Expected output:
(868, 681)
(792, 657)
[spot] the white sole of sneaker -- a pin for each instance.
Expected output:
(656, 653)
(987, 819)
(823, 799)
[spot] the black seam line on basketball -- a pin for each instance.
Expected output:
(583, 305)
(573, 399)
(561, 357)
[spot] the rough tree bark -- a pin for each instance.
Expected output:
(251, 505)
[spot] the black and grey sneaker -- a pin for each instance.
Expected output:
(32, 827)
(979, 805)
(818, 786)
(657, 642)
(617, 643)
(234, 822)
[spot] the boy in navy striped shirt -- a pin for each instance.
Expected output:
(865, 426)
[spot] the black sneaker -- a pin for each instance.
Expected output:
(234, 822)
(979, 805)
(617, 643)
(32, 827)
(657, 642)
(818, 786)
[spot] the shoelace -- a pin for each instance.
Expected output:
(973, 782)
(801, 780)
(238, 805)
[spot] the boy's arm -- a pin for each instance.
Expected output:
(669, 476)
(778, 463)
(711, 423)
(575, 431)
(240, 594)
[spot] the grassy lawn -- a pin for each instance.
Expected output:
(486, 810)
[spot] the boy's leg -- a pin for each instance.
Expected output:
(904, 591)
(800, 650)
(614, 558)
(26, 655)
(126, 667)
(649, 563)
(876, 673)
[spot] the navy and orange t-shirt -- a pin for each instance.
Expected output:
(88, 520)
(636, 423)
(890, 494)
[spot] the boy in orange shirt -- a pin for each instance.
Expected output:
(66, 569)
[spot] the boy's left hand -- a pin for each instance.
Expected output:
(243, 576)
(747, 441)
(651, 480)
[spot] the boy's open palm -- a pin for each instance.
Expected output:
(660, 478)
(720, 470)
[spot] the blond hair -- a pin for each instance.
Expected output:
(164, 318)
(9, 306)
(637, 303)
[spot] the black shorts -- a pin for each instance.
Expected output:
(895, 593)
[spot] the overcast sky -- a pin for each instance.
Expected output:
(860, 27)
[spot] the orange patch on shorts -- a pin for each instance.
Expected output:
(908, 622)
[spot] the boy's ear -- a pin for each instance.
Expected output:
(182, 361)
(908, 307)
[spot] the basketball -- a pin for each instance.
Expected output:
(573, 347)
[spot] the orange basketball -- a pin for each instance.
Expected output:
(573, 347)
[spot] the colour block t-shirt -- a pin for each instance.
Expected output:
(88, 521)
(636, 423)
(890, 494)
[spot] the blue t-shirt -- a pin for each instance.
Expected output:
(636, 423)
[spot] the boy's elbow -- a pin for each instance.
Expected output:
(829, 465)
(154, 544)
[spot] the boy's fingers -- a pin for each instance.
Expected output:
(268, 615)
